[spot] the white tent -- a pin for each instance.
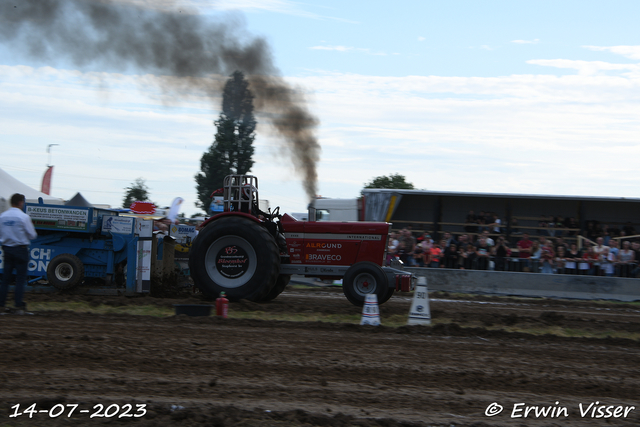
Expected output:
(9, 186)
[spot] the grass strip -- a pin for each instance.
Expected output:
(393, 321)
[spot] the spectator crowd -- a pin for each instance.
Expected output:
(483, 247)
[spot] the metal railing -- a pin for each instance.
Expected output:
(536, 265)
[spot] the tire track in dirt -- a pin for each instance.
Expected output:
(229, 372)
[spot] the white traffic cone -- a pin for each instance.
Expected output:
(370, 311)
(420, 313)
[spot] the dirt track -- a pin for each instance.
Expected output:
(260, 373)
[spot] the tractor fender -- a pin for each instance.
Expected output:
(225, 214)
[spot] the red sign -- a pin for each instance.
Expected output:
(147, 208)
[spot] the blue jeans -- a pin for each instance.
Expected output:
(14, 257)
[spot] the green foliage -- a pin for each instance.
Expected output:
(395, 181)
(138, 191)
(232, 149)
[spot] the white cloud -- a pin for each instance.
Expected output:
(337, 48)
(106, 138)
(536, 133)
(421, 39)
(115, 128)
(586, 67)
(534, 41)
(340, 48)
(632, 52)
(460, 129)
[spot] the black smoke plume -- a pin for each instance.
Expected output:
(119, 35)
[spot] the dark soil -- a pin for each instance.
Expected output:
(205, 371)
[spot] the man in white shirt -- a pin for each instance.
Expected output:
(16, 233)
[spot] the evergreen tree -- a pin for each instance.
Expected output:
(395, 181)
(137, 192)
(232, 149)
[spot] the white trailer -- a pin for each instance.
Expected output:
(337, 209)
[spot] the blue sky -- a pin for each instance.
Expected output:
(458, 38)
(499, 96)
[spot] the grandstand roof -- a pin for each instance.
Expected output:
(500, 195)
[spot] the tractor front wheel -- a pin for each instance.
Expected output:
(365, 278)
(235, 255)
(388, 295)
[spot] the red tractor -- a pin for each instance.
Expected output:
(250, 254)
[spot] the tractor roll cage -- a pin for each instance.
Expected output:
(240, 193)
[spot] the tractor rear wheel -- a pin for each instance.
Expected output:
(235, 255)
(65, 271)
(365, 278)
(281, 283)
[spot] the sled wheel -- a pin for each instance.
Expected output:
(364, 278)
(65, 271)
(235, 255)
(281, 284)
